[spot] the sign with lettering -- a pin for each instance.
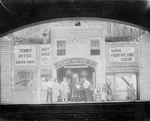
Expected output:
(121, 70)
(25, 55)
(45, 54)
(74, 61)
(23, 77)
(122, 54)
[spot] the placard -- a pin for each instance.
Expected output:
(121, 70)
(45, 54)
(25, 55)
(23, 77)
(122, 54)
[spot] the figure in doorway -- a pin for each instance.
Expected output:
(65, 90)
(49, 90)
(76, 87)
(86, 85)
(98, 91)
(55, 90)
(130, 92)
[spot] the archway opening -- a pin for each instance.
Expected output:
(72, 72)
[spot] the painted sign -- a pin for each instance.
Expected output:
(45, 54)
(25, 55)
(73, 61)
(122, 54)
(23, 77)
(120, 70)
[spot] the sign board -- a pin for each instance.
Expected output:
(74, 61)
(120, 70)
(23, 77)
(25, 55)
(45, 54)
(122, 54)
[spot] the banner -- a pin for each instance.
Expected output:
(122, 54)
(45, 54)
(25, 55)
(23, 77)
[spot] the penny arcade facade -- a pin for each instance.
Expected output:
(103, 52)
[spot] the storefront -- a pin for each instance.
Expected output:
(122, 69)
(58, 62)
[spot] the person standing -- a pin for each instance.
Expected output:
(98, 92)
(49, 90)
(130, 92)
(55, 91)
(109, 91)
(43, 90)
(86, 85)
(65, 90)
(76, 89)
(30, 90)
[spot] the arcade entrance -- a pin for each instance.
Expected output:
(73, 73)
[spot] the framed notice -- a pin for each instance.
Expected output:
(45, 54)
(23, 78)
(122, 54)
(25, 55)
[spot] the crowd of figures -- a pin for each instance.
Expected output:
(76, 90)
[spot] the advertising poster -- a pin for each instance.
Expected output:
(122, 54)
(23, 78)
(45, 54)
(25, 55)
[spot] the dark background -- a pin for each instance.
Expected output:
(17, 13)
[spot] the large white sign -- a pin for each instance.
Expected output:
(45, 55)
(122, 54)
(25, 55)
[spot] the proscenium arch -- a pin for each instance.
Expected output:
(76, 19)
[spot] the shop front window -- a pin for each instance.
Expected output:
(126, 88)
(122, 87)
(61, 48)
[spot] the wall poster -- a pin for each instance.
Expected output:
(122, 54)
(25, 55)
(45, 53)
(23, 78)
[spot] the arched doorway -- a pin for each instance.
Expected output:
(71, 72)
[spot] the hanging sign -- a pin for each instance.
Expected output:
(25, 55)
(74, 61)
(45, 54)
(122, 54)
(121, 70)
(23, 77)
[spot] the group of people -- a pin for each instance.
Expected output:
(56, 90)
(103, 92)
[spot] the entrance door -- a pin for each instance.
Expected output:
(76, 71)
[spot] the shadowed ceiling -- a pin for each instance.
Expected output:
(18, 13)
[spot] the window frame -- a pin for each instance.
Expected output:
(91, 48)
(56, 46)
